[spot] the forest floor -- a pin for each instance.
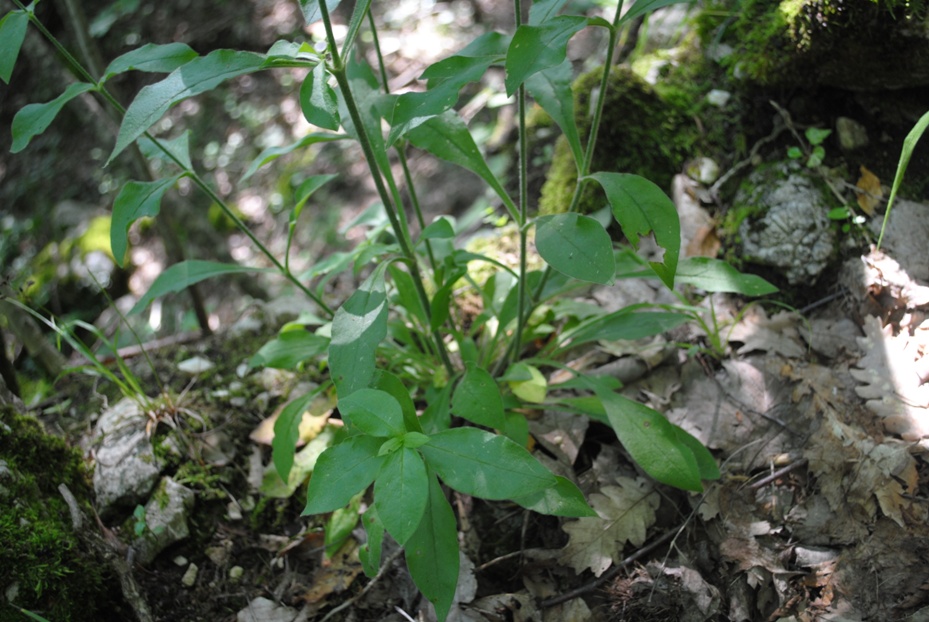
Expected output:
(818, 418)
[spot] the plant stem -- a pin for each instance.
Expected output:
(522, 317)
(337, 68)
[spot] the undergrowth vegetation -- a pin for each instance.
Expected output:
(434, 360)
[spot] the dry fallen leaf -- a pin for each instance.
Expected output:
(626, 512)
(777, 334)
(314, 420)
(869, 191)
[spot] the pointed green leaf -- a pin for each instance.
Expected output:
(33, 119)
(715, 275)
(440, 229)
(289, 349)
(516, 428)
(373, 412)
(394, 387)
(370, 552)
(641, 207)
(151, 58)
(181, 275)
(706, 463)
(652, 441)
(287, 432)
(577, 246)
(341, 472)
(340, 525)
(448, 138)
(310, 185)
(641, 7)
(272, 153)
(909, 143)
(623, 325)
(401, 491)
(535, 48)
(311, 12)
(437, 416)
(543, 10)
(137, 199)
(318, 101)
(179, 147)
(432, 552)
(485, 465)
(12, 33)
(551, 89)
(197, 76)
(531, 389)
(477, 399)
(562, 499)
(358, 327)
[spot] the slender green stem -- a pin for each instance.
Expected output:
(337, 68)
(522, 302)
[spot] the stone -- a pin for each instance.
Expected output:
(852, 135)
(235, 573)
(264, 610)
(791, 232)
(190, 576)
(126, 469)
(718, 98)
(165, 520)
(196, 365)
(905, 237)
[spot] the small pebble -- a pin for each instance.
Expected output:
(233, 511)
(235, 573)
(718, 97)
(190, 577)
(180, 560)
(195, 365)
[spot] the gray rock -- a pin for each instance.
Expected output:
(905, 237)
(792, 233)
(264, 610)
(165, 520)
(126, 468)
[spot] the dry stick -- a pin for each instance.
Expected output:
(764, 481)
(612, 572)
(354, 599)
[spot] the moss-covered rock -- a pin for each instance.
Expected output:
(861, 45)
(43, 565)
(640, 133)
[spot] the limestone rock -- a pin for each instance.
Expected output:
(126, 468)
(165, 520)
(791, 232)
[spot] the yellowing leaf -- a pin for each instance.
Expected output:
(532, 390)
(869, 191)
(626, 512)
(312, 423)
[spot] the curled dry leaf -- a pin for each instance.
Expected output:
(869, 191)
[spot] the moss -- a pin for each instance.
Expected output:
(640, 133)
(41, 558)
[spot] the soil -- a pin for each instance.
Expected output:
(817, 418)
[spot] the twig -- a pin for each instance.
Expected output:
(738, 166)
(612, 572)
(764, 481)
(354, 599)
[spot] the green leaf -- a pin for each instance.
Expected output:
(437, 416)
(373, 412)
(289, 349)
(623, 325)
(12, 33)
(531, 389)
(341, 472)
(535, 48)
(448, 138)
(197, 76)
(311, 12)
(551, 89)
(440, 229)
(407, 296)
(816, 135)
(179, 147)
(340, 526)
(641, 7)
(401, 491)
(652, 441)
(641, 207)
(310, 185)
(184, 274)
(543, 10)
(517, 428)
(414, 439)
(432, 552)
(715, 275)
(151, 58)
(272, 153)
(562, 499)
(485, 465)
(705, 462)
(358, 327)
(477, 399)
(287, 432)
(577, 246)
(136, 199)
(318, 101)
(446, 78)
(393, 386)
(33, 119)
(909, 143)
(370, 552)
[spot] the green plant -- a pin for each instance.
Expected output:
(909, 143)
(812, 150)
(430, 391)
